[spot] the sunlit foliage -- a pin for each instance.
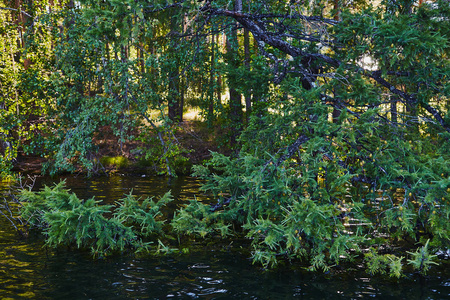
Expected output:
(344, 144)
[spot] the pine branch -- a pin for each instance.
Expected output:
(255, 24)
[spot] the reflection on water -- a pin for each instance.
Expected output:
(30, 271)
(110, 189)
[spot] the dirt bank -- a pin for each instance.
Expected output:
(193, 136)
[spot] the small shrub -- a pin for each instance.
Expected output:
(381, 264)
(119, 162)
(422, 259)
(67, 220)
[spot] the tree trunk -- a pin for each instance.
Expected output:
(247, 94)
(212, 72)
(394, 110)
(337, 16)
(174, 101)
(174, 92)
(231, 58)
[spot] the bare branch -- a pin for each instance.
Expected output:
(14, 9)
(253, 22)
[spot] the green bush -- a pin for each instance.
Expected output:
(119, 162)
(67, 220)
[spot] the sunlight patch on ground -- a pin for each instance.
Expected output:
(192, 114)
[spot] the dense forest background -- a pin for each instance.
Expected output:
(332, 117)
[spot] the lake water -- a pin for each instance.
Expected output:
(30, 271)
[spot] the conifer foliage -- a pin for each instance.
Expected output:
(343, 151)
(67, 220)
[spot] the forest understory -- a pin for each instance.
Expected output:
(196, 138)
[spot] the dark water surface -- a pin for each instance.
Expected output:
(29, 271)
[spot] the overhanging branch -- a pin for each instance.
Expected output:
(254, 23)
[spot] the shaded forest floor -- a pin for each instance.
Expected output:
(195, 138)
